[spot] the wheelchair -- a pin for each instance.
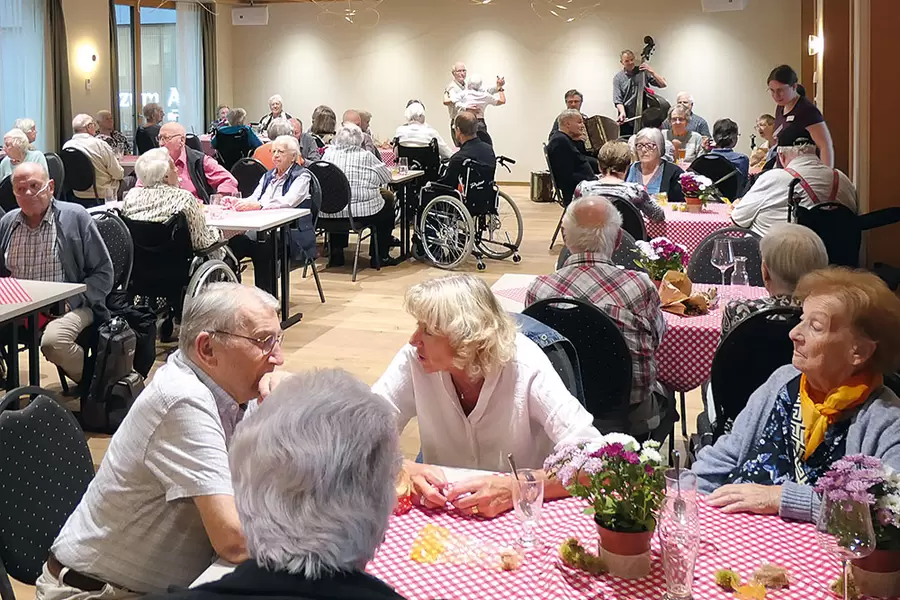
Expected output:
(478, 219)
(167, 270)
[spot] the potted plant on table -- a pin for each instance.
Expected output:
(625, 485)
(867, 479)
(659, 256)
(698, 191)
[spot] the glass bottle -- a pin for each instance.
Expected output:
(739, 276)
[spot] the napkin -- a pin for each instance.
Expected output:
(677, 297)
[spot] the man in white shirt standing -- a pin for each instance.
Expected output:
(767, 201)
(457, 86)
(108, 173)
(161, 505)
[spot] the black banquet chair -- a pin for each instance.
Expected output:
(37, 499)
(193, 142)
(722, 172)
(57, 173)
(557, 197)
(632, 221)
(248, 172)
(231, 147)
(80, 176)
(7, 198)
(743, 242)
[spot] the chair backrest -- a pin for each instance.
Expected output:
(632, 221)
(80, 174)
(192, 141)
(315, 197)
(57, 173)
(743, 242)
(600, 348)
(559, 351)
(748, 355)
(232, 147)
(336, 192)
(117, 238)
(45, 467)
(426, 159)
(248, 172)
(838, 227)
(557, 194)
(718, 168)
(623, 255)
(162, 256)
(7, 198)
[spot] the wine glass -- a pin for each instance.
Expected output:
(722, 255)
(528, 499)
(844, 528)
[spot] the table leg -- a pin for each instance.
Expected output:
(404, 221)
(12, 377)
(34, 350)
(286, 318)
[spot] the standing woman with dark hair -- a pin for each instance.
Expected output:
(796, 116)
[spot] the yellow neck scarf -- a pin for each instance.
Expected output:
(821, 410)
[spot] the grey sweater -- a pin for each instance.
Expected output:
(874, 431)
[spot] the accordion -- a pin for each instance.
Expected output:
(600, 130)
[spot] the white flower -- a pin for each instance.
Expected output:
(646, 249)
(650, 455)
(702, 181)
(628, 442)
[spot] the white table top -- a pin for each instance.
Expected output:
(221, 568)
(256, 220)
(410, 175)
(43, 293)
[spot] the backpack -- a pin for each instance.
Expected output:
(115, 384)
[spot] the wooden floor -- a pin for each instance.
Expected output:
(362, 325)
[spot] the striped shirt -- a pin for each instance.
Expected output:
(34, 253)
(366, 175)
(136, 526)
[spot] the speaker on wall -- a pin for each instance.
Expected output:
(723, 5)
(250, 15)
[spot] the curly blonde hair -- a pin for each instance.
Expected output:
(462, 308)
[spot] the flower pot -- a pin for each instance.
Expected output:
(693, 205)
(626, 555)
(878, 575)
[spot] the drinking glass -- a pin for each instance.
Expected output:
(722, 255)
(679, 533)
(528, 499)
(739, 276)
(403, 163)
(844, 528)
(215, 199)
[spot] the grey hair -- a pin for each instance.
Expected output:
(348, 135)
(689, 96)
(793, 151)
(81, 122)
(289, 143)
(279, 126)
(276, 98)
(592, 238)
(569, 113)
(218, 308)
(152, 166)
(26, 124)
(686, 113)
(415, 112)
(314, 473)
(236, 117)
(789, 252)
(652, 135)
(17, 138)
(475, 82)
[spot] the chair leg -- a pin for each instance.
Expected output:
(356, 257)
(315, 271)
(556, 233)
(683, 408)
(62, 381)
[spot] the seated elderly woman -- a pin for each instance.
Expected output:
(314, 475)
(29, 127)
(651, 171)
(789, 252)
(366, 175)
(285, 186)
(480, 391)
(276, 111)
(614, 160)
(146, 137)
(277, 128)
(324, 124)
(236, 123)
(15, 144)
(830, 402)
(725, 136)
(418, 134)
(688, 144)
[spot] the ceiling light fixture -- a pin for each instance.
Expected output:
(362, 13)
(563, 10)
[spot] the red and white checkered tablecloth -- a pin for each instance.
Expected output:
(739, 542)
(690, 228)
(12, 292)
(388, 156)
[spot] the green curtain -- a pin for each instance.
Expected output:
(60, 93)
(114, 66)
(210, 72)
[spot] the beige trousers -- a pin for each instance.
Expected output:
(49, 587)
(58, 342)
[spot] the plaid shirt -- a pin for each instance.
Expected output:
(366, 175)
(632, 302)
(34, 253)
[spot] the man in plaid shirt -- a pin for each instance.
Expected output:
(591, 229)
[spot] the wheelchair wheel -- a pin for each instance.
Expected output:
(448, 232)
(212, 271)
(502, 233)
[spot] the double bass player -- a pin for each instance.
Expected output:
(625, 89)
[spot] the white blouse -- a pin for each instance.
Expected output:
(524, 409)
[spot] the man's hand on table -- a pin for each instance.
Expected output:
(428, 484)
(487, 497)
(747, 497)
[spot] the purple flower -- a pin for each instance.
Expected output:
(884, 516)
(649, 469)
(566, 474)
(592, 466)
(614, 450)
(631, 457)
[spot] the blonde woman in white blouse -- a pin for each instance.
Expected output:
(480, 391)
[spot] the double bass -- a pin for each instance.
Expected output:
(647, 98)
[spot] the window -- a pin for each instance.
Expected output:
(161, 61)
(22, 79)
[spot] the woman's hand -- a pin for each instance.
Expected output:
(246, 205)
(487, 496)
(270, 381)
(747, 497)
(428, 483)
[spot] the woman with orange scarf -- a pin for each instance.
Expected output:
(830, 402)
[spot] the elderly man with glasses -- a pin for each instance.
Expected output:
(695, 121)
(162, 504)
(456, 88)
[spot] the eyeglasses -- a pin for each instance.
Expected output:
(266, 344)
(166, 139)
(33, 192)
(643, 146)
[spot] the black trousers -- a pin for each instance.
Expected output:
(483, 133)
(261, 255)
(382, 222)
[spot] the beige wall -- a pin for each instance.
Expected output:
(87, 29)
(722, 58)
(223, 55)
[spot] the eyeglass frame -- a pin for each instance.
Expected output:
(261, 343)
(38, 192)
(646, 146)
